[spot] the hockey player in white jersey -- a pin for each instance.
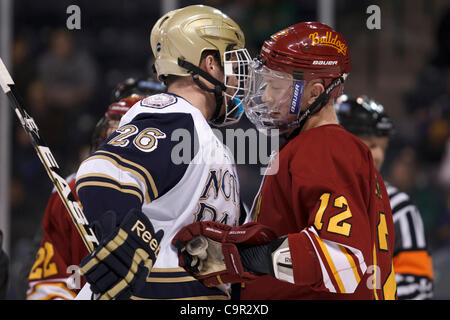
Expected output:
(164, 168)
(413, 268)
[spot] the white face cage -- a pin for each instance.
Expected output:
(273, 99)
(235, 63)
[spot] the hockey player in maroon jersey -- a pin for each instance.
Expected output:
(413, 265)
(323, 198)
(54, 274)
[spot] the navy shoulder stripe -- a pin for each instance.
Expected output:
(98, 198)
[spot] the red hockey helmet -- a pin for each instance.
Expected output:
(308, 50)
(111, 119)
(117, 109)
(288, 61)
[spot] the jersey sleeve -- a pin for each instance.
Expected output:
(137, 164)
(412, 261)
(333, 252)
(54, 274)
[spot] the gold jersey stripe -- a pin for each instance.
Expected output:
(109, 185)
(331, 264)
(352, 263)
(168, 270)
(131, 163)
(375, 275)
(171, 279)
(116, 164)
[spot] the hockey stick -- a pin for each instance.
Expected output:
(47, 159)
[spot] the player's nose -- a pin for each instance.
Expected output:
(266, 97)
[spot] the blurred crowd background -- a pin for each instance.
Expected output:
(66, 78)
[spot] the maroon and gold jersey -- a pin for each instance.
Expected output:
(332, 203)
(54, 272)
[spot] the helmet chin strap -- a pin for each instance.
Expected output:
(315, 107)
(218, 89)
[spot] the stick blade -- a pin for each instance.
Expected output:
(5, 78)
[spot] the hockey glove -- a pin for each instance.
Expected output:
(273, 258)
(125, 256)
(210, 251)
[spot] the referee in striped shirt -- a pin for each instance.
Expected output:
(413, 269)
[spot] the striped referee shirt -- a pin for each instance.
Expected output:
(412, 262)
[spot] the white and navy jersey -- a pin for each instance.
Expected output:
(412, 262)
(165, 160)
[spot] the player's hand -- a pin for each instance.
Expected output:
(124, 257)
(210, 251)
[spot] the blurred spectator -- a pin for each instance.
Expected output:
(418, 180)
(69, 75)
(425, 129)
(36, 99)
(4, 269)
(28, 175)
(260, 19)
(442, 256)
(444, 180)
(444, 171)
(24, 68)
(403, 170)
(429, 100)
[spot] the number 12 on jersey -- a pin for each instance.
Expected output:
(337, 223)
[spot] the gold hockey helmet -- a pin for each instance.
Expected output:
(180, 37)
(187, 32)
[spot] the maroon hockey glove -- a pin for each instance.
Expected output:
(210, 250)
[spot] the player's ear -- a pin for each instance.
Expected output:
(208, 64)
(317, 88)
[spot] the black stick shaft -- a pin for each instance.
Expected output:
(48, 161)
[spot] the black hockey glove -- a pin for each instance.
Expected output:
(260, 258)
(124, 257)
